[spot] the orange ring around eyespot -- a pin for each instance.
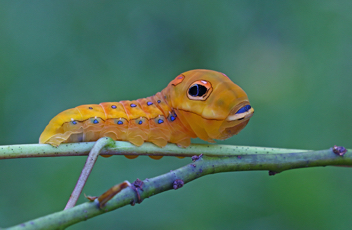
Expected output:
(204, 83)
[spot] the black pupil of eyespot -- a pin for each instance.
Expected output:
(197, 90)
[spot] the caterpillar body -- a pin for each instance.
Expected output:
(197, 103)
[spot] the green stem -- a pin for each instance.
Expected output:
(204, 166)
(126, 148)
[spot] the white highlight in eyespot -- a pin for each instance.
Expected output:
(204, 82)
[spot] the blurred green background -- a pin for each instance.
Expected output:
(293, 58)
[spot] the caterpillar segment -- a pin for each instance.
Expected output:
(197, 103)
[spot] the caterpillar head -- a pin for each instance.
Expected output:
(209, 104)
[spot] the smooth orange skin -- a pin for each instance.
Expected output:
(206, 119)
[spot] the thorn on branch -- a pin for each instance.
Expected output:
(90, 198)
(339, 150)
(195, 157)
(178, 183)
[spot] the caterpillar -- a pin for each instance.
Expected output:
(197, 103)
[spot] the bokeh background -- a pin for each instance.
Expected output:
(293, 58)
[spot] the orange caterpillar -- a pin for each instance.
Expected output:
(197, 103)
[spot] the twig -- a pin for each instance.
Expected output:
(92, 158)
(275, 163)
(126, 148)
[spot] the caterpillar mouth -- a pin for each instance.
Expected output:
(235, 121)
(243, 113)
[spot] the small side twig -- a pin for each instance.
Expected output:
(92, 158)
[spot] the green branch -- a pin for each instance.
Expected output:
(126, 148)
(277, 162)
